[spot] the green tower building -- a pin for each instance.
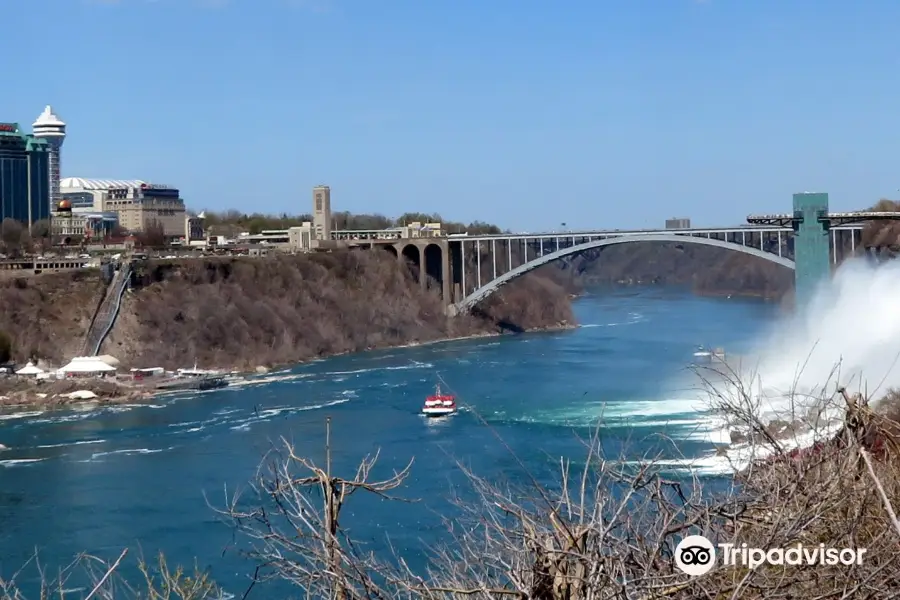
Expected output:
(811, 249)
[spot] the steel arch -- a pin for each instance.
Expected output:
(489, 288)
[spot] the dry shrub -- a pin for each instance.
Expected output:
(884, 235)
(91, 578)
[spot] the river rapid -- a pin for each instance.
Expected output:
(145, 476)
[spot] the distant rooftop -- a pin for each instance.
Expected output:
(49, 119)
(82, 183)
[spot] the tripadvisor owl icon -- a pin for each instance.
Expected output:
(695, 555)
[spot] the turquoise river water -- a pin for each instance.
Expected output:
(145, 476)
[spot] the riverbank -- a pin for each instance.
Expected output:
(21, 394)
(18, 394)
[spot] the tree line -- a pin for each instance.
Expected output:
(231, 222)
(17, 239)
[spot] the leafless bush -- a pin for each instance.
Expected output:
(295, 539)
(91, 578)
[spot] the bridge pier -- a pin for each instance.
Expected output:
(812, 256)
(431, 256)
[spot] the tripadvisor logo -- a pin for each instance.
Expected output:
(696, 555)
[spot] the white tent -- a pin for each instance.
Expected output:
(86, 364)
(29, 369)
(110, 360)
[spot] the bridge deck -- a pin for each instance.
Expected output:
(836, 219)
(621, 232)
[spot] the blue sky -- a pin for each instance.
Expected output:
(597, 113)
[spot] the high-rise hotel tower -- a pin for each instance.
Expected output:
(51, 128)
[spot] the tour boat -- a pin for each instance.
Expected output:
(194, 379)
(707, 356)
(195, 372)
(439, 405)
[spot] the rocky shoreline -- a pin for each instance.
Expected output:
(19, 394)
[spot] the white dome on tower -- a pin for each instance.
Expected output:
(49, 126)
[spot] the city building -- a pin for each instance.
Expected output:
(67, 222)
(137, 203)
(51, 128)
(301, 238)
(410, 230)
(678, 223)
(24, 176)
(322, 212)
(78, 199)
(193, 229)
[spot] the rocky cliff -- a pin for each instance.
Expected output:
(244, 312)
(48, 315)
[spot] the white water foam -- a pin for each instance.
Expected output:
(129, 451)
(66, 444)
(269, 413)
(15, 462)
(848, 336)
(413, 364)
(632, 319)
(21, 415)
(272, 378)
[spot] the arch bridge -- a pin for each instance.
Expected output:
(468, 269)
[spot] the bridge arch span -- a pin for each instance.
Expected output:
(486, 290)
(411, 253)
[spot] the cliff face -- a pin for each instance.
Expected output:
(48, 315)
(247, 312)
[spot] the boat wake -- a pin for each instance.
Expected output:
(128, 451)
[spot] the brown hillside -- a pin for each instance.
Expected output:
(48, 315)
(883, 235)
(705, 269)
(240, 313)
